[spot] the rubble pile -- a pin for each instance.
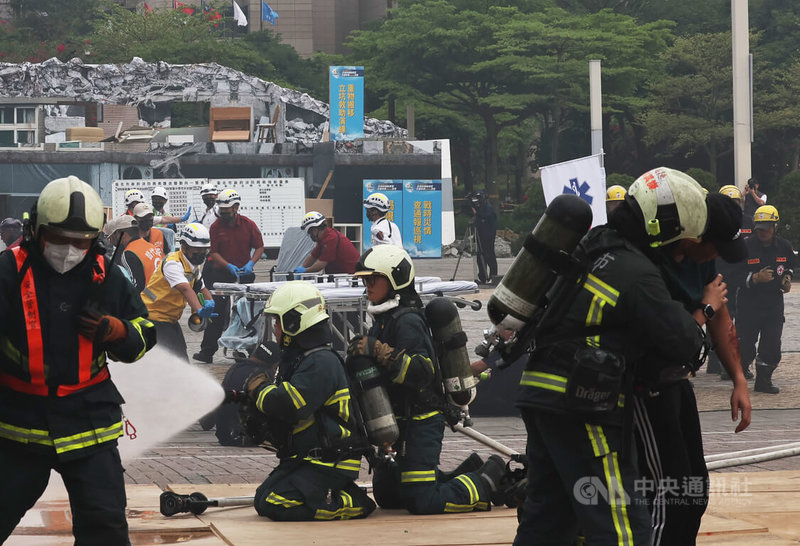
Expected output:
(144, 83)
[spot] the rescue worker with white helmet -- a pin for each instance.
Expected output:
(334, 252)
(383, 230)
(310, 416)
(133, 198)
(401, 346)
(177, 283)
(620, 332)
(63, 312)
(208, 193)
(138, 258)
(768, 271)
(159, 198)
(236, 247)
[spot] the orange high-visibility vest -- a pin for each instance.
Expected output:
(149, 254)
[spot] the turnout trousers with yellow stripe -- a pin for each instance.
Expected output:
(94, 482)
(578, 484)
(298, 490)
(414, 482)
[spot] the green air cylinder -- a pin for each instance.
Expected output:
(451, 351)
(533, 272)
(376, 409)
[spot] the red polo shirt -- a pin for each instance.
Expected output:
(337, 250)
(235, 242)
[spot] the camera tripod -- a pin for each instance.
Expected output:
(470, 243)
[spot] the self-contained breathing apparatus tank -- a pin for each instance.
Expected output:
(451, 351)
(545, 255)
(376, 409)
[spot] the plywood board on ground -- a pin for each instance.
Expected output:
(784, 524)
(716, 525)
(776, 480)
(755, 502)
(398, 530)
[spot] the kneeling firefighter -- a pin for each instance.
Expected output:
(310, 417)
(400, 344)
(620, 330)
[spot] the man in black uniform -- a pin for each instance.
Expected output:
(769, 270)
(753, 199)
(402, 348)
(486, 228)
(310, 417)
(62, 310)
(621, 332)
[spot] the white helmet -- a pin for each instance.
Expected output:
(159, 191)
(208, 189)
(298, 305)
(672, 203)
(133, 196)
(196, 235)
(70, 207)
(377, 201)
(312, 219)
(390, 261)
(228, 198)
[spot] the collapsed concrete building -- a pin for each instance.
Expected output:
(42, 103)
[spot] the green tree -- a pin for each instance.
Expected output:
(552, 49)
(776, 119)
(692, 103)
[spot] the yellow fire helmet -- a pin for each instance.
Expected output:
(616, 193)
(766, 213)
(731, 191)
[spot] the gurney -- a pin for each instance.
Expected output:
(345, 300)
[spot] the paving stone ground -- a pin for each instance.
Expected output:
(194, 456)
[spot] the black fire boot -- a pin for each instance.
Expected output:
(470, 464)
(764, 379)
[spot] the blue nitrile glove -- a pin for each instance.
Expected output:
(299, 269)
(207, 310)
(186, 216)
(233, 270)
(248, 268)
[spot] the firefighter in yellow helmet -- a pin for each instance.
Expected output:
(309, 413)
(65, 310)
(614, 196)
(769, 269)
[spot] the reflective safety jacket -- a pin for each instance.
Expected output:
(781, 258)
(55, 387)
(624, 307)
(411, 380)
(309, 409)
(164, 303)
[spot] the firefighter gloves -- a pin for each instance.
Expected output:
(382, 353)
(101, 328)
(255, 383)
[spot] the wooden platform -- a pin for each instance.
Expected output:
(751, 508)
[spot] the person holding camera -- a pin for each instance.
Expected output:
(752, 200)
(485, 228)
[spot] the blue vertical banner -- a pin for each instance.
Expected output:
(346, 102)
(393, 189)
(422, 218)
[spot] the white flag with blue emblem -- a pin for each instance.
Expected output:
(584, 177)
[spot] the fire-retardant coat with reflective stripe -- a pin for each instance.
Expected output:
(311, 398)
(624, 296)
(88, 420)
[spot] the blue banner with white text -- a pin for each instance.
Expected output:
(422, 218)
(346, 102)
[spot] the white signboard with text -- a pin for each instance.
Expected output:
(274, 204)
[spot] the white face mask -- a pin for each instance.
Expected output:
(62, 258)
